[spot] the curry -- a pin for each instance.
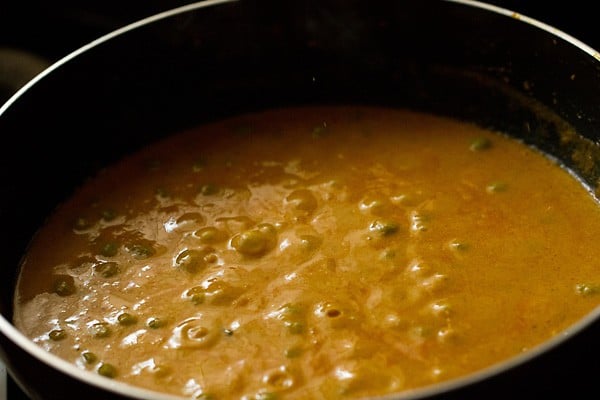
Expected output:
(313, 253)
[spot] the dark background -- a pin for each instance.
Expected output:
(55, 28)
(34, 35)
(52, 29)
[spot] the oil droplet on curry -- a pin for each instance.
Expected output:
(309, 253)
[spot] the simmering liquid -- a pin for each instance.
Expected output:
(313, 253)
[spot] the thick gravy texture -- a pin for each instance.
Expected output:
(302, 253)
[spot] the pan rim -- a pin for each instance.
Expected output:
(10, 331)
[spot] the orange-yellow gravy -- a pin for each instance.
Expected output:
(310, 253)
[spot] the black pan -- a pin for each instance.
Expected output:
(209, 60)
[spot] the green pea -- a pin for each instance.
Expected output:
(383, 228)
(336, 315)
(376, 204)
(89, 357)
(209, 189)
(319, 130)
(496, 187)
(57, 335)
(291, 311)
(302, 200)
(155, 323)
(99, 330)
(587, 289)
(153, 165)
(268, 230)
(126, 319)
(196, 294)
(310, 242)
(205, 396)
(109, 215)
(266, 396)
(191, 260)
(222, 293)
(109, 249)
(161, 192)
(459, 246)
(211, 258)
(295, 327)
(107, 370)
(106, 269)
(209, 234)
(241, 129)
(419, 221)
(480, 143)
(293, 352)
(405, 199)
(198, 165)
(293, 317)
(251, 242)
(161, 371)
(82, 224)
(420, 331)
(64, 285)
(140, 251)
(197, 298)
(387, 254)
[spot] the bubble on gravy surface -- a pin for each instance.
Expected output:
(312, 252)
